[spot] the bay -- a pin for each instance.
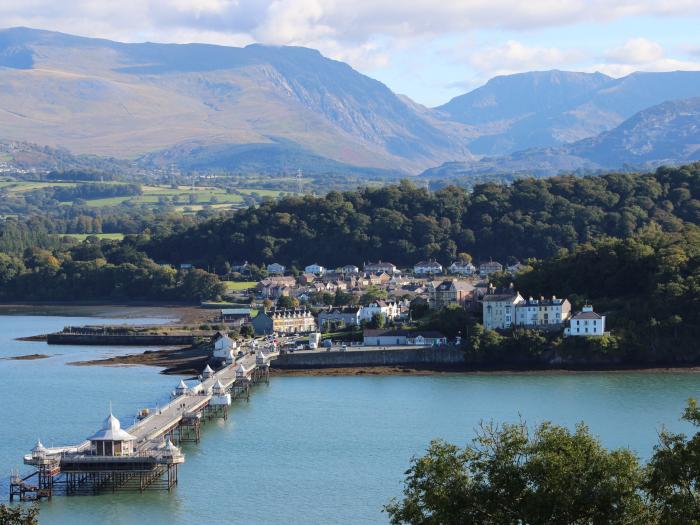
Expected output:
(304, 449)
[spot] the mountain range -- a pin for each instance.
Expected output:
(271, 109)
(668, 133)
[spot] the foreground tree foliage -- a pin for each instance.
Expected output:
(509, 475)
(19, 515)
(673, 480)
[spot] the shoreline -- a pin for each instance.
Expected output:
(191, 360)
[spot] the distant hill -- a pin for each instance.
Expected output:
(126, 100)
(668, 133)
(549, 108)
(279, 156)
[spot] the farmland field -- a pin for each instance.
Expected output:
(236, 286)
(83, 236)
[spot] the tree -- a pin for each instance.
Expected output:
(201, 285)
(674, 473)
(464, 257)
(508, 475)
(286, 301)
(341, 298)
(378, 321)
(247, 330)
(372, 294)
(19, 515)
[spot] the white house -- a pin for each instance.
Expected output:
(431, 267)
(275, 269)
(349, 269)
(462, 268)
(390, 310)
(499, 309)
(487, 268)
(223, 344)
(315, 269)
(380, 267)
(586, 323)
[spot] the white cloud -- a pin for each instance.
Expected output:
(304, 21)
(636, 51)
(641, 54)
(514, 57)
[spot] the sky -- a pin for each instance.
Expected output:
(430, 50)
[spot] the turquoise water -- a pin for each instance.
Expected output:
(304, 449)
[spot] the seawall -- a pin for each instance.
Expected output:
(62, 338)
(422, 357)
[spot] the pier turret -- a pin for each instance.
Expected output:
(111, 440)
(39, 450)
(207, 373)
(260, 358)
(170, 453)
(181, 389)
(241, 372)
(219, 395)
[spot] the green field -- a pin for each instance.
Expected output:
(83, 236)
(179, 197)
(235, 286)
(22, 186)
(261, 192)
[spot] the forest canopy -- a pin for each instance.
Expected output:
(530, 218)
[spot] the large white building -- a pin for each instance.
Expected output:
(586, 323)
(542, 312)
(499, 309)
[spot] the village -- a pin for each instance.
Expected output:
(380, 305)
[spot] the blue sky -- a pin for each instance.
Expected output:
(428, 50)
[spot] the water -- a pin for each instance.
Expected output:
(305, 449)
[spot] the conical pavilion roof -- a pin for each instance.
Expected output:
(112, 431)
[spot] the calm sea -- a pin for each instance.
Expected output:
(304, 449)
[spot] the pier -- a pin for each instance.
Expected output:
(144, 456)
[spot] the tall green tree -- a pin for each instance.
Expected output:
(508, 475)
(673, 481)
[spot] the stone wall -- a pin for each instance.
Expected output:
(423, 357)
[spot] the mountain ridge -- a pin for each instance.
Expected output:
(208, 107)
(668, 133)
